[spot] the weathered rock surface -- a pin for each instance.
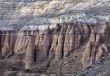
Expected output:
(95, 48)
(30, 53)
(59, 49)
(67, 41)
(54, 42)
(46, 46)
(8, 39)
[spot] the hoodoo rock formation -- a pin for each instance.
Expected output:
(95, 48)
(30, 53)
(54, 42)
(57, 43)
(67, 41)
(54, 37)
(59, 49)
(44, 46)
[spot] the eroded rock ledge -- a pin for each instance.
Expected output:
(42, 47)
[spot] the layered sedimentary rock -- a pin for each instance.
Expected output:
(37, 39)
(57, 43)
(44, 46)
(21, 43)
(96, 48)
(71, 34)
(8, 39)
(54, 42)
(30, 53)
(67, 41)
(59, 49)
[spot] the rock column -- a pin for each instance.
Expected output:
(30, 53)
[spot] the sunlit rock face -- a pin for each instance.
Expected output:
(41, 47)
(44, 46)
(69, 34)
(96, 47)
(59, 42)
(22, 41)
(30, 54)
(67, 41)
(54, 42)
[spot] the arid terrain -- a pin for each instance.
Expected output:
(54, 38)
(69, 49)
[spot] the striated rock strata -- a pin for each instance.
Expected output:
(57, 43)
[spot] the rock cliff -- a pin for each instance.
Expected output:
(58, 43)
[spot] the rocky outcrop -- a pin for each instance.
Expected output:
(95, 48)
(22, 41)
(8, 39)
(59, 49)
(67, 41)
(44, 46)
(30, 53)
(37, 39)
(71, 35)
(54, 44)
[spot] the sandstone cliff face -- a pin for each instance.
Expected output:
(37, 37)
(67, 41)
(30, 53)
(20, 45)
(44, 46)
(22, 41)
(54, 42)
(58, 43)
(8, 39)
(59, 48)
(96, 48)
